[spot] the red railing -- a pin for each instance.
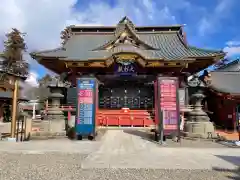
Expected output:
(123, 117)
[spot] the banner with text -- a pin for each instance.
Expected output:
(86, 106)
(169, 105)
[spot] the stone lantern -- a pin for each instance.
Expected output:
(198, 123)
(55, 112)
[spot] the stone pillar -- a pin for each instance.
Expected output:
(34, 111)
(55, 114)
(198, 124)
(28, 128)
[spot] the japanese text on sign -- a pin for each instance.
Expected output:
(85, 103)
(169, 103)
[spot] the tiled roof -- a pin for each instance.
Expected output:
(168, 45)
(9, 94)
(231, 66)
(226, 82)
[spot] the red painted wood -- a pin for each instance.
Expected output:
(106, 117)
(118, 118)
(125, 120)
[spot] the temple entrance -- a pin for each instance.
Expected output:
(135, 93)
(126, 94)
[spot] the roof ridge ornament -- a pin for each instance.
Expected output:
(123, 24)
(125, 34)
(66, 34)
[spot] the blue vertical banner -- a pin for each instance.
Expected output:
(86, 106)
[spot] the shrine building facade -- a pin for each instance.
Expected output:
(126, 60)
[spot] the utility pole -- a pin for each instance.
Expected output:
(14, 109)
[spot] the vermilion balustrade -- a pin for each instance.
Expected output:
(123, 117)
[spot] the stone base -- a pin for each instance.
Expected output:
(199, 130)
(47, 135)
(71, 122)
(11, 139)
(56, 126)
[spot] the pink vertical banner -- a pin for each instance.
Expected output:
(168, 103)
(156, 103)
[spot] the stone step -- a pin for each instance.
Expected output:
(40, 125)
(48, 135)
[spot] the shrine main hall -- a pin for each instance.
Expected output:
(126, 60)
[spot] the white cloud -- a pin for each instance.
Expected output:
(232, 51)
(32, 79)
(43, 20)
(232, 48)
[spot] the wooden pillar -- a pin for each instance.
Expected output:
(235, 115)
(46, 107)
(69, 113)
(14, 109)
(1, 112)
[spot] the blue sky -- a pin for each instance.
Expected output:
(210, 24)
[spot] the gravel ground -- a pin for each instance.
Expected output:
(66, 166)
(65, 160)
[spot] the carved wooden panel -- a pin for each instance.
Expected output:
(96, 64)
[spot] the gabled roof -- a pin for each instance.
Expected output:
(161, 42)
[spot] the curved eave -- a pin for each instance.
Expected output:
(187, 59)
(222, 93)
(54, 64)
(48, 53)
(206, 53)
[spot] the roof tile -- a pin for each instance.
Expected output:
(231, 81)
(168, 45)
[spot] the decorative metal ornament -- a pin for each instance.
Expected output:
(194, 82)
(125, 62)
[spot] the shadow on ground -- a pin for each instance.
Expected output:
(236, 173)
(235, 160)
(142, 134)
(184, 142)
